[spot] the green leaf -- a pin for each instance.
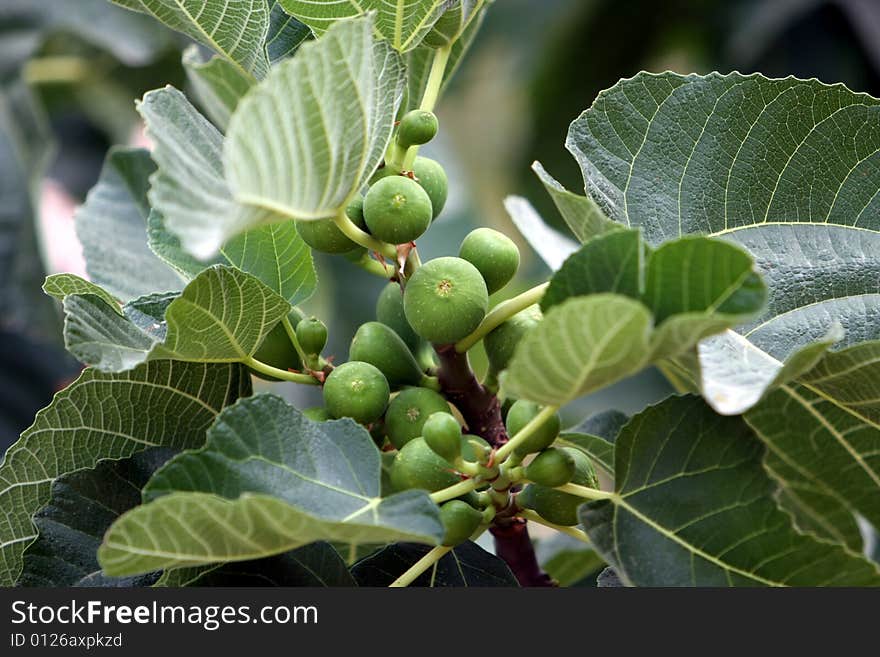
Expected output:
(592, 335)
(267, 481)
(285, 33)
(234, 29)
(786, 168)
(217, 83)
(112, 227)
(454, 22)
(221, 316)
(403, 23)
(466, 565)
(59, 286)
(83, 505)
(567, 560)
(106, 416)
(278, 257)
(581, 213)
(595, 437)
(317, 564)
(167, 246)
(303, 142)
(190, 189)
(692, 506)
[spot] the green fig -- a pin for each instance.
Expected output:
(408, 412)
(554, 505)
(389, 311)
(552, 467)
(442, 433)
(356, 390)
(323, 235)
(417, 466)
(397, 210)
(417, 127)
(501, 342)
(460, 520)
(494, 254)
(520, 414)
(379, 345)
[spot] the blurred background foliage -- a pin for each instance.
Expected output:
(71, 69)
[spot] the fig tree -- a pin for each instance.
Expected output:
(494, 254)
(501, 342)
(553, 505)
(389, 311)
(417, 466)
(443, 434)
(323, 235)
(378, 345)
(417, 127)
(460, 520)
(397, 210)
(520, 414)
(552, 467)
(445, 300)
(408, 412)
(356, 390)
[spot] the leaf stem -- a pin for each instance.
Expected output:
(296, 377)
(291, 334)
(430, 96)
(523, 434)
(356, 235)
(585, 492)
(420, 566)
(500, 314)
(454, 491)
(574, 532)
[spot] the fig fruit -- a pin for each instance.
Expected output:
(501, 342)
(323, 235)
(460, 520)
(494, 254)
(519, 415)
(552, 467)
(312, 335)
(397, 210)
(379, 345)
(356, 390)
(408, 412)
(277, 350)
(432, 178)
(389, 311)
(417, 466)
(445, 300)
(417, 127)
(553, 505)
(442, 433)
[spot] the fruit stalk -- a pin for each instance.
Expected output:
(500, 313)
(478, 406)
(513, 544)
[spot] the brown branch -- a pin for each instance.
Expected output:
(478, 406)
(513, 544)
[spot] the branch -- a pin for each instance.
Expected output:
(513, 544)
(478, 406)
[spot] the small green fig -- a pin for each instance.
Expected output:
(494, 254)
(397, 210)
(520, 414)
(432, 177)
(417, 466)
(277, 350)
(389, 311)
(323, 235)
(356, 390)
(551, 467)
(379, 345)
(408, 412)
(317, 413)
(501, 342)
(460, 520)
(445, 300)
(312, 335)
(417, 127)
(553, 505)
(443, 434)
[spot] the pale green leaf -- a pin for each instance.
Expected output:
(285, 33)
(235, 29)
(693, 507)
(303, 142)
(62, 285)
(403, 23)
(268, 480)
(106, 416)
(218, 85)
(112, 228)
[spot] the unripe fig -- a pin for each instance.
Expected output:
(389, 311)
(397, 210)
(378, 345)
(417, 127)
(494, 254)
(460, 520)
(417, 466)
(552, 467)
(442, 433)
(553, 505)
(317, 413)
(312, 335)
(408, 413)
(277, 350)
(501, 342)
(519, 415)
(445, 300)
(356, 390)
(432, 177)
(323, 235)
(473, 448)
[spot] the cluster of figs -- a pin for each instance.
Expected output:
(388, 385)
